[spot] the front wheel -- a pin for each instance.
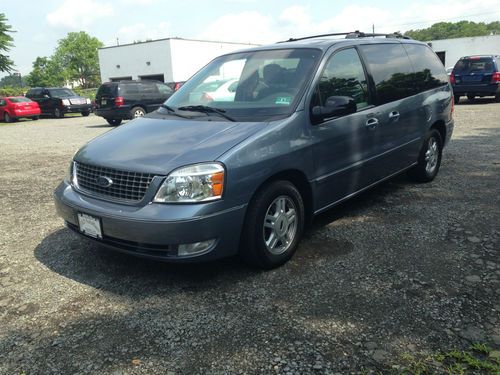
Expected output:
(471, 97)
(7, 118)
(34, 118)
(429, 159)
(58, 113)
(85, 113)
(457, 99)
(273, 226)
(137, 112)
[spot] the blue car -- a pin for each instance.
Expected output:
(312, 122)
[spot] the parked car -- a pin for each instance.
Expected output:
(215, 90)
(475, 76)
(13, 108)
(313, 122)
(57, 101)
(117, 101)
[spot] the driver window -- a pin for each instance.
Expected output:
(343, 76)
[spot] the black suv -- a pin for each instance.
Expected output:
(117, 101)
(57, 101)
(476, 76)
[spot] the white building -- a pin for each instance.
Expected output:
(451, 50)
(167, 60)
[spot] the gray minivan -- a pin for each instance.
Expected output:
(311, 123)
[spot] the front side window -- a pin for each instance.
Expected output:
(391, 71)
(250, 84)
(343, 76)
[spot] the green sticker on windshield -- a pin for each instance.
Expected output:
(284, 100)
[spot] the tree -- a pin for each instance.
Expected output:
(46, 72)
(6, 43)
(447, 30)
(77, 54)
(13, 80)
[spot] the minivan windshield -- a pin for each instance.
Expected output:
(250, 85)
(61, 93)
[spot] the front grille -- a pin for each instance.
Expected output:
(78, 101)
(125, 186)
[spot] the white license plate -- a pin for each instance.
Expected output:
(90, 225)
(103, 102)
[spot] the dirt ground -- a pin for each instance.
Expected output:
(404, 270)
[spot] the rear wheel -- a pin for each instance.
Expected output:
(457, 99)
(429, 159)
(137, 112)
(273, 226)
(85, 113)
(497, 98)
(471, 97)
(7, 118)
(34, 118)
(114, 121)
(58, 113)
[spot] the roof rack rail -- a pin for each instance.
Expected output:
(349, 35)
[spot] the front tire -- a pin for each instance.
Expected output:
(34, 118)
(114, 121)
(7, 118)
(58, 113)
(457, 99)
(85, 113)
(429, 159)
(471, 97)
(137, 112)
(273, 225)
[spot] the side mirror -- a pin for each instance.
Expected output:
(335, 106)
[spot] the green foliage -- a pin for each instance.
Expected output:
(477, 359)
(14, 80)
(6, 43)
(77, 55)
(13, 91)
(46, 72)
(86, 93)
(448, 30)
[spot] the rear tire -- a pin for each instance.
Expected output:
(273, 225)
(34, 118)
(429, 159)
(457, 99)
(471, 97)
(7, 118)
(137, 112)
(497, 98)
(85, 114)
(114, 121)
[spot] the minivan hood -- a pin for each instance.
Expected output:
(158, 146)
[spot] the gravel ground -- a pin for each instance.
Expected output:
(403, 268)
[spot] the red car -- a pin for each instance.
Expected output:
(14, 107)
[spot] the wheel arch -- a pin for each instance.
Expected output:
(441, 128)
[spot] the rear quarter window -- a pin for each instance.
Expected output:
(429, 71)
(391, 71)
(107, 90)
(129, 89)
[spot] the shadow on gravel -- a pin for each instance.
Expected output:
(100, 126)
(477, 101)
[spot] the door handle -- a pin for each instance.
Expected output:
(394, 115)
(371, 123)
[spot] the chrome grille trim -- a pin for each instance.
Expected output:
(127, 186)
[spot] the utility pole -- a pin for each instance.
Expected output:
(373, 28)
(117, 41)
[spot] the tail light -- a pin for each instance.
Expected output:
(119, 101)
(495, 78)
(452, 78)
(177, 86)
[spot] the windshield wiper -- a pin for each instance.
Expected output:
(206, 109)
(172, 111)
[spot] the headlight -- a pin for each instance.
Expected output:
(194, 183)
(88, 101)
(65, 101)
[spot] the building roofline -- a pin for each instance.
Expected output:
(462, 37)
(177, 38)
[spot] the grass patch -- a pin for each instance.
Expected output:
(477, 359)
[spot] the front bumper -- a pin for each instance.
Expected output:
(155, 230)
(491, 89)
(76, 108)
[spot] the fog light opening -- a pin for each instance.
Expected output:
(194, 248)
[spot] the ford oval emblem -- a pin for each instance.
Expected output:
(104, 181)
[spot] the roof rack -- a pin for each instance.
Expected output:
(349, 35)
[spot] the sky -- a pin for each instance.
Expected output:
(39, 24)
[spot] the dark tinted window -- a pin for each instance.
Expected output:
(164, 89)
(107, 90)
(343, 76)
(61, 93)
(429, 71)
(148, 88)
(391, 70)
(129, 89)
(35, 93)
(20, 100)
(474, 64)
